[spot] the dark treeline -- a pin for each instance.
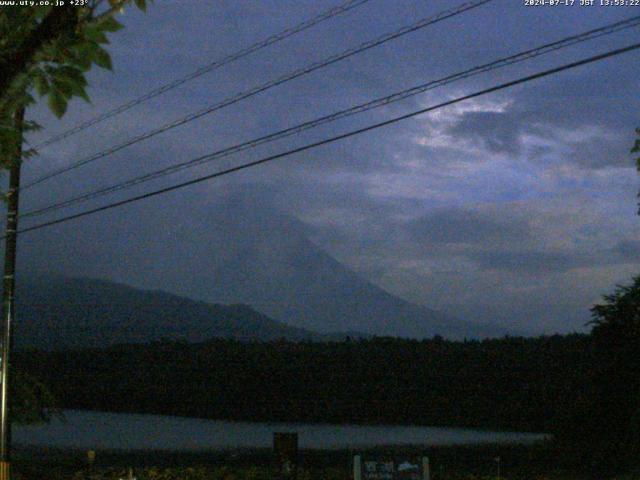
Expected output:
(511, 383)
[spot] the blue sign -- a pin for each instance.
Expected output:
(391, 470)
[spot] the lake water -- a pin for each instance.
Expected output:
(99, 430)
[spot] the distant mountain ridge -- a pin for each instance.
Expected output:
(55, 313)
(242, 252)
(271, 264)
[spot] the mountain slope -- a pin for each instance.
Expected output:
(238, 251)
(301, 285)
(59, 313)
(268, 262)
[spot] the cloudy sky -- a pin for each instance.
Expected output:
(517, 207)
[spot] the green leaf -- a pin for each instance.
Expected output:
(57, 103)
(79, 91)
(83, 55)
(102, 59)
(95, 34)
(41, 83)
(63, 87)
(82, 62)
(67, 72)
(109, 24)
(70, 82)
(141, 4)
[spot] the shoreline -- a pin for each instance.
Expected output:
(542, 460)
(111, 431)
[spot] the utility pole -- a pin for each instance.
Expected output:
(8, 296)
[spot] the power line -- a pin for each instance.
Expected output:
(351, 133)
(425, 22)
(503, 62)
(349, 5)
(510, 60)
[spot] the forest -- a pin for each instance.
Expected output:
(583, 389)
(522, 384)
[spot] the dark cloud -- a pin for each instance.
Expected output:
(560, 141)
(628, 250)
(528, 262)
(467, 226)
(603, 151)
(499, 132)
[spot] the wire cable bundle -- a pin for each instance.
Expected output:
(425, 22)
(377, 103)
(343, 136)
(609, 29)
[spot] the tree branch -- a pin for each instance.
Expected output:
(60, 21)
